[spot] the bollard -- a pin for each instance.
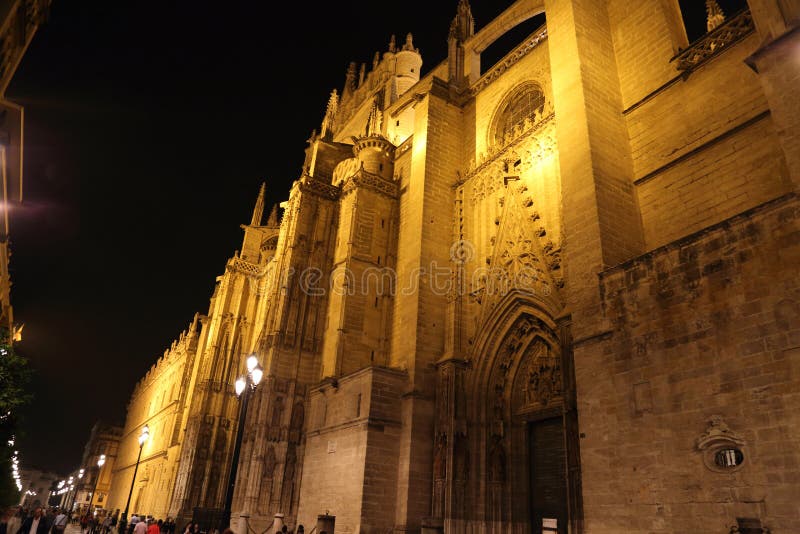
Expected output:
(277, 523)
(242, 526)
(326, 523)
(432, 525)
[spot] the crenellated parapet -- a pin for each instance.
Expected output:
(184, 343)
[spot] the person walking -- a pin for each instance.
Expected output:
(35, 523)
(59, 522)
(140, 528)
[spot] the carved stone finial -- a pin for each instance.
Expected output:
(350, 79)
(375, 60)
(409, 45)
(392, 45)
(361, 74)
(715, 16)
(272, 220)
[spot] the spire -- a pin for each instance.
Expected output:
(376, 60)
(330, 114)
(258, 211)
(461, 28)
(361, 74)
(273, 216)
(349, 80)
(375, 120)
(463, 25)
(392, 45)
(715, 16)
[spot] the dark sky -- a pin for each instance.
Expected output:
(149, 128)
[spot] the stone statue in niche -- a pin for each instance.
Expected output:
(440, 458)
(497, 461)
(296, 424)
(439, 474)
(460, 458)
(267, 479)
(460, 473)
(444, 389)
(497, 478)
(288, 477)
(275, 421)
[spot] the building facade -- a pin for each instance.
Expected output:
(92, 482)
(19, 20)
(560, 292)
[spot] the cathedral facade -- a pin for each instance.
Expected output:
(556, 294)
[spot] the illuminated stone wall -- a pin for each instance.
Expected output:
(585, 258)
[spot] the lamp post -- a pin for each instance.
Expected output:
(244, 386)
(142, 438)
(100, 462)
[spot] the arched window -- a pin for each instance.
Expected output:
(523, 104)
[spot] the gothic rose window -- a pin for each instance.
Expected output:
(521, 105)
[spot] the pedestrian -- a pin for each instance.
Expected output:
(140, 528)
(5, 516)
(107, 524)
(16, 520)
(153, 527)
(59, 522)
(300, 529)
(35, 523)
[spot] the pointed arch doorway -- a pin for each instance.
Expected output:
(525, 425)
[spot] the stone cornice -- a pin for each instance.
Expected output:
(316, 187)
(515, 55)
(370, 181)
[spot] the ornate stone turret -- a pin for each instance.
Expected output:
(461, 29)
(374, 152)
(408, 66)
(715, 16)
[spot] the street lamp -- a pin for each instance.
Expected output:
(142, 438)
(244, 386)
(100, 462)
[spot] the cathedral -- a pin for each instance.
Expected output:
(556, 294)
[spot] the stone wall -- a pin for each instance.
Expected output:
(706, 326)
(350, 465)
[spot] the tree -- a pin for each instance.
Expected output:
(15, 377)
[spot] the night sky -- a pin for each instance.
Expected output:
(149, 129)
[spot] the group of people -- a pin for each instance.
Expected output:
(19, 520)
(150, 525)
